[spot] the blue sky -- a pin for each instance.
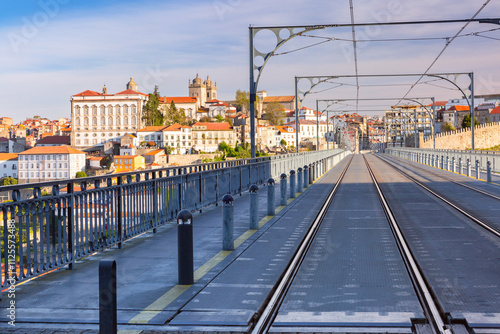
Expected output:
(52, 49)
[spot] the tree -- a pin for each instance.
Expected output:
(219, 119)
(283, 142)
(174, 115)
(227, 150)
(447, 127)
(205, 119)
(242, 99)
(80, 174)
(466, 121)
(7, 181)
(152, 115)
(168, 150)
(275, 113)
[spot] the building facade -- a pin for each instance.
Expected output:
(50, 163)
(8, 165)
(207, 136)
(100, 117)
(129, 163)
(203, 90)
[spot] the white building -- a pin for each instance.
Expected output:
(286, 133)
(179, 137)
(100, 117)
(307, 128)
(8, 165)
(50, 163)
(189, 104)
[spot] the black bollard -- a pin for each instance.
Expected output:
(185, 247)
(108, 318)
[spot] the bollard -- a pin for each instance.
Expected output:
(488, 171)
(283, 195)
(108, 318)
(185, 262)
(459, 165)
(447, 163)
(305, 183)
(254, 207)
(468, 167)
(453, 166)
(311, 176)
(292, 184)
(227, 223)
(270, 197)
(299, 180)
(478, 172)
(442, 162)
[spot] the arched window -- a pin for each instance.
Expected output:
(94, 120)
(86, 121)
(125, 120)
(110, 109)
(118, 121)
(103, 120)
(110, 121)
(134, 109)
(133, 120)
(125, 109)
(118, 109)
(77, 111)
(78, 121)
(103, 110)
(94, 110)
(86, 111)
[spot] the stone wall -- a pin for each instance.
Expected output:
(188, 159)
(485, 136)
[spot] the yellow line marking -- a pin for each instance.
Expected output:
(129, 331)
(161, 303)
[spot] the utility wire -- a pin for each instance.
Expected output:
(351, 6)
(444, 49)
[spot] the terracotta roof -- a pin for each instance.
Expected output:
(8, 156)
(61, 140)
(176, 127)
(155, 152)
(496, 110)
(459, 108)
(153, 128)
(285, 129)
(438, 103)
(213, 126)
(269, 99)
(96, 158)
(88, 93)
(213, 101)
(125, 156)
(62, 149)
(130, 92)
(179, 99)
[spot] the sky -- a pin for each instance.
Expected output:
(53, 49)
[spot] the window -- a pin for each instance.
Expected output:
(77, 111)
(78, 121)
(110, 121)
(134, 110)
(103, 110)
(133, 120)
(86, 121)
(94, 110)
(125, 109)
(94, 121)
(103, 120)
(125, 120)
(86, 111)
(118, 121)
(66, 165)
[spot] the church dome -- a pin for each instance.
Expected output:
(131, 84)
(197, 80)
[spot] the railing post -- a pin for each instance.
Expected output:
(254, 209)
(468, 167)
(155, 202)
(453, 165)
(305, 184)
(442, 162)
(299, 180)
(119, 205)
(108, 316)
(71, 223)
(478, 172)
(460, 165)
(283, 187)
(185, 247)
(447, 163)
(292, 184)
(270, 197)
(488, 171)
(227, 223)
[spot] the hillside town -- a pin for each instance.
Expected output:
(131, 130)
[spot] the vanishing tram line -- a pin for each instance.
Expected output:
(489, 227)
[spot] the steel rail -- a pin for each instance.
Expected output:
(269, 313)
(485, 225)
(423, 291)
(457, 182)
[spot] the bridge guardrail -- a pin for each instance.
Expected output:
(90, 214)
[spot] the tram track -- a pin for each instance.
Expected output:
(433, 312)
(486, 225)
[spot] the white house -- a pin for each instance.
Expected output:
(49, 163)
(8, 165)
(307, 128)
(286, 133)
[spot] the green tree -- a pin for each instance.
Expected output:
(466, 121)
(80, 174)
(283, 142)
(242, 99)
(168, 150)
(7, 181)
(220, 119)
(447, 127)
(275, 113)
(227, 150)
(152, 115)
(174, 115)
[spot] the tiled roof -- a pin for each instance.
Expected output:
(8, 156)
(179, 99)
(213, 126)
(153, 128)
(176, 127)
(131, 92)
(287, 129)
(61, 140)
(269, 99)
(96, 158)
(213, 101)
(62, 149)
(88, 93)
(125, 156)
(459, 108)
(155, 152)
(496, 110)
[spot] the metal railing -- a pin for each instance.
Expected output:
(90, 214)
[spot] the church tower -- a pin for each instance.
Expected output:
(203, 90)
(132, 85)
